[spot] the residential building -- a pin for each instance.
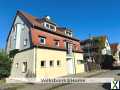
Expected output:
(44, 48)
(115, 47)
(96, 49)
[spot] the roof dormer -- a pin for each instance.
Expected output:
(68, 33)
(49, 24)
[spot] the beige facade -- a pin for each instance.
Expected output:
(17, 66)
(79, 66)
(51, 71)
(35, 56)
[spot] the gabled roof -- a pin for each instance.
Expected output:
(36, 25)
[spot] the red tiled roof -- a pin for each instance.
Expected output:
(36, 22)
(35, 32)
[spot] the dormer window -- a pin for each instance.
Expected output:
(68, 33)
(52, 27)
(49, 26)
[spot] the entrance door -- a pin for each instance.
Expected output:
(70, 66)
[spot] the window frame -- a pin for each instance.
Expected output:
(25, 42)
(44, 38)
(48, 26)
(16, 65)
(24, 67)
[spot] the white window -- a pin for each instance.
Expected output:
(43, 64)
(65, 44)
(49, 26)
(14, 41)
(68, 33)
(25, 42)
(51, 63)
(15, 36)
(24, 67)
(42, 40)
(16, 65)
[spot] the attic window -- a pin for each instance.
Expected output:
(52, 27)
(49, 26)
(68, 33)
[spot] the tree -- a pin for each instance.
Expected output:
(5, 65)
(100, 42)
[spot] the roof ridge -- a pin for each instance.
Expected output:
(25, 13)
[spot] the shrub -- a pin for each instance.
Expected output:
(5, 65)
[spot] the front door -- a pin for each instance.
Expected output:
(70, 66)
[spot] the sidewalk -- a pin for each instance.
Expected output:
(49, 86)
(90, 74)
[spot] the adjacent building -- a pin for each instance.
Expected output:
(97, 49)
(44, 48)
(115, 47)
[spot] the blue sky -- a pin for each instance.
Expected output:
(84, 17)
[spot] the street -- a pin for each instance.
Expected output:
(106, 86)
(112, 73)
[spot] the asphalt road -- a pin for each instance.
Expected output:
(105, 86)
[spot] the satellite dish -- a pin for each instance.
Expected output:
(48, 17)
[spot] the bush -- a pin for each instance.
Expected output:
(5, 65)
